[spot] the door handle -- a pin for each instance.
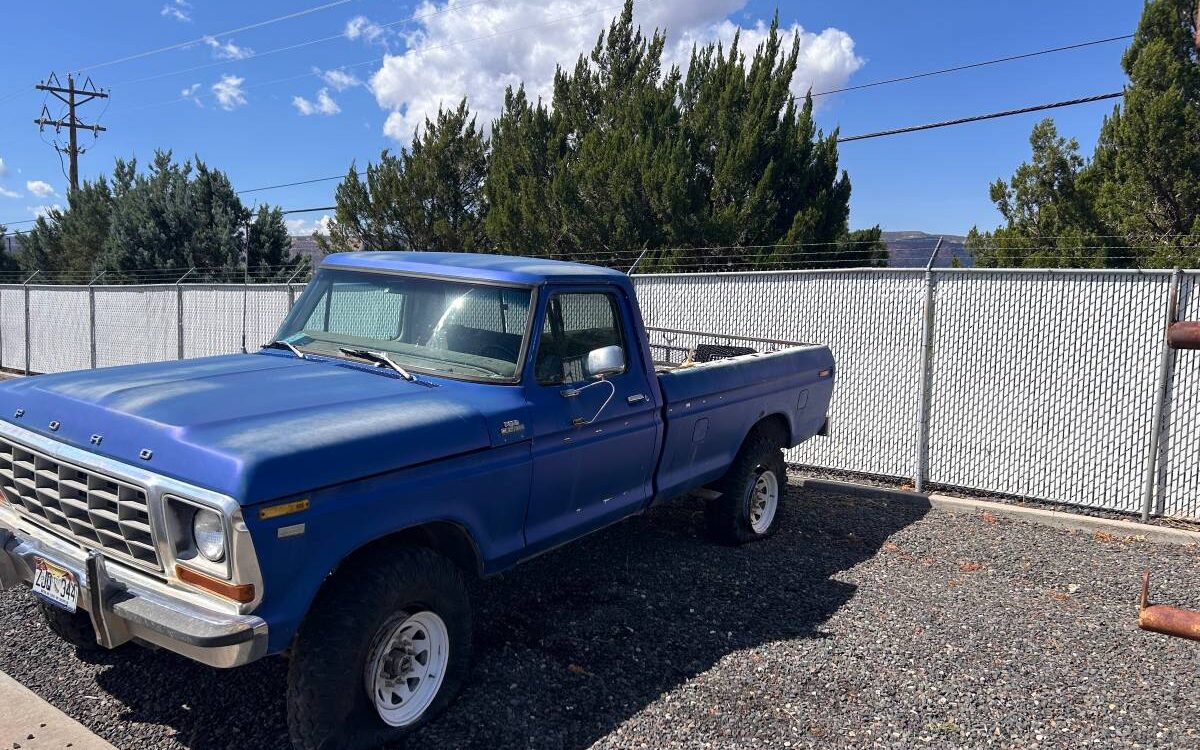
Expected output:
(636, 398)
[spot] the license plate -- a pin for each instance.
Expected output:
(55, 585)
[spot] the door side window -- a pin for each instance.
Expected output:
(576, 324)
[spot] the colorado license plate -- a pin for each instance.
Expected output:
(55, 585)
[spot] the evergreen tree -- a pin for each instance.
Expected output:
(628, 158)
(69, 243)
(171, 218)
(430, 197)
(622, 182)
(763, 174)
(1047, 208)
(525, 155)
(8, 259)
(1137, 202)
(269, 247)
(1147, 162)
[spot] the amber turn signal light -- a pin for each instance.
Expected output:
(242, 593)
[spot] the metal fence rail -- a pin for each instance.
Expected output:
(1039, 384)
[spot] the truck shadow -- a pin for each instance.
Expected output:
(571, 645)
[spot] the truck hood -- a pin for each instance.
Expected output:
(255, 426)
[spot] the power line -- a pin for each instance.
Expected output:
(980, 64)
(198, 40)
(291, 184)
(298, 45)
(977, 118)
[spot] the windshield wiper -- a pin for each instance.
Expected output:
(381, 358)
(289, 346)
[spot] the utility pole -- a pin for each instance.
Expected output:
(72, 123)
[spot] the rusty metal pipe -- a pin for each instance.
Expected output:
(1162, 618)
(1184, 334)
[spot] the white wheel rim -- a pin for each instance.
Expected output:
(406, 666)
(764, 500)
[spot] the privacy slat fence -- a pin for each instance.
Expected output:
(1038, 384)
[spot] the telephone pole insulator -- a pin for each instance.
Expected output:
(72, 97)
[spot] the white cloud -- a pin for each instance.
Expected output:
(6, 193)
(229, 92)
(227, 50)
(324, 105)
(361, 27)
(340, 80)
(177, 9)
(441, 65)
(37, 211)
(3, 169)
(40, 188)
(305, 227)
(192, 94)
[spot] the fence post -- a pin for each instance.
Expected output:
(292, 292)
(1160, 398)
(921, 472)
(25, 289)
(179, 311)
(92, 317)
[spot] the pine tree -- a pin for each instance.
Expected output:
(525, 156)
(1147, 162)
(1048, 211)
(172, 218)
(429, 197)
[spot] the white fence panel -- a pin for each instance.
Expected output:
(60, 336)
(12, 327)
(1177, 482)
(212, 319)
(135, 324)
(1043, 383)
(267, 304)
(871, 320)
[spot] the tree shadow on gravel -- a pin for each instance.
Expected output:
(570, 645)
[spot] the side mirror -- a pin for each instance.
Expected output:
(608, 360)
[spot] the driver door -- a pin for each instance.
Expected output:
(593, 452)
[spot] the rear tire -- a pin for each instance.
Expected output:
(389, 637)
(73, 627)
(748, 508)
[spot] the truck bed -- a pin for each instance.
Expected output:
(717, 387)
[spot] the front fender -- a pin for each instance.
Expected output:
(484, 492)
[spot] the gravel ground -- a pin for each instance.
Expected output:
(865, 622)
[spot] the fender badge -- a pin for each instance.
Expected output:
(511, 426)
(96, 439)
(54, 425)
(145, 454)
(18, 413)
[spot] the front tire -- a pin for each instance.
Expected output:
(384, 650)
(748, 508)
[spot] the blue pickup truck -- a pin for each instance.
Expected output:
(421, 419)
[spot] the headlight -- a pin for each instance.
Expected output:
(208, 532)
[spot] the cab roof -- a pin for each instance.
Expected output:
(512, 269)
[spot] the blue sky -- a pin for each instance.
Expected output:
(300, 98)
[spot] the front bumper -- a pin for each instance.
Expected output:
(125, 605)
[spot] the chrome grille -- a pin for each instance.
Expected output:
(88, 508)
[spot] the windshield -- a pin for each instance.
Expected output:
(461, 329)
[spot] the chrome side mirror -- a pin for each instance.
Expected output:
(607, 360)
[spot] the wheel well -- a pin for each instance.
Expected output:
(443, 537)
(773, 426)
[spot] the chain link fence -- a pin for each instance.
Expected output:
(1037, 384)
